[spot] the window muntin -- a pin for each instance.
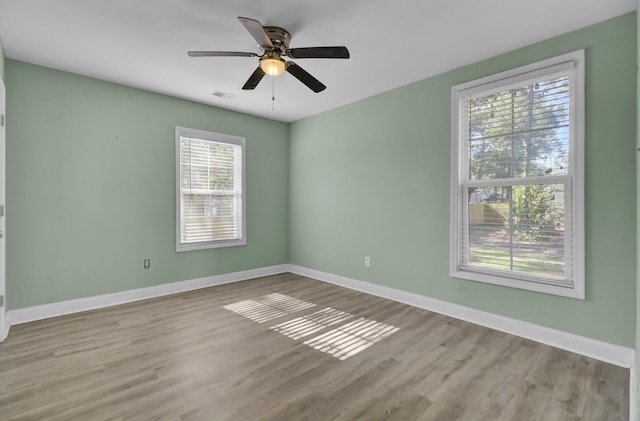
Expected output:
(210, 190)
(517, 178)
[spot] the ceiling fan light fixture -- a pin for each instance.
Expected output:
(272, 66)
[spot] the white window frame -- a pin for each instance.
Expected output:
(220, 138)
(574, 207)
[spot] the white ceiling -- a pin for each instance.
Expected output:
(143, 43)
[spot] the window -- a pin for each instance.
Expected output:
(210, 203)
(517, 178)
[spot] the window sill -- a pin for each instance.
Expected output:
(520, 284)
(210, 245)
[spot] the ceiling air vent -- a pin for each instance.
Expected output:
(224, 95)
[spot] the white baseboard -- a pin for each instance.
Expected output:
(633, 394)
(603, 351)
(45, 311)
(4, 330)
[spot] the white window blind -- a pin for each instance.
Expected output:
(517, 178)
(210, 186)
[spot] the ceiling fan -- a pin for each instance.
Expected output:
(274, 43)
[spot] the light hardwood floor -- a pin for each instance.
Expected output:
(186, 357)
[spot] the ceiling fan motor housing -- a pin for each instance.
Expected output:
(279, 37)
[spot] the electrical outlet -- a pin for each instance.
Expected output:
(147, 263)
(367, 261)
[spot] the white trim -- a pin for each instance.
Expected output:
(603, 351)
(505, 281)
(4, 322)
(7, 327)
(633, 393)
(517, 73)
(45, 311)
(219, 138)
(574, 206)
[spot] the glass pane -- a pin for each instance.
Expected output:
(208, 165)
(209, 217)
(517, 228)
(520, 132)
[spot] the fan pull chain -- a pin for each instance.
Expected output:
(273, 93)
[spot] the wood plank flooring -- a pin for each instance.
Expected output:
(186, 357)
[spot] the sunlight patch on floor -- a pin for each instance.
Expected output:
(269, 307)
(285, 302)
(351, 338)
(311, 323)
(255, 311)
(341, 342)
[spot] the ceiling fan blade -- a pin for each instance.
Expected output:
(254, 79)
(257, 31)
(303, 76)
(220, 54)
(319, 52)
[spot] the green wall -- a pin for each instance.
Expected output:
(372, 178)
(91, 188)
(637, 320)
(1, 61)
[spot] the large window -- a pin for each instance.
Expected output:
(517, 178)
(210, 190)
